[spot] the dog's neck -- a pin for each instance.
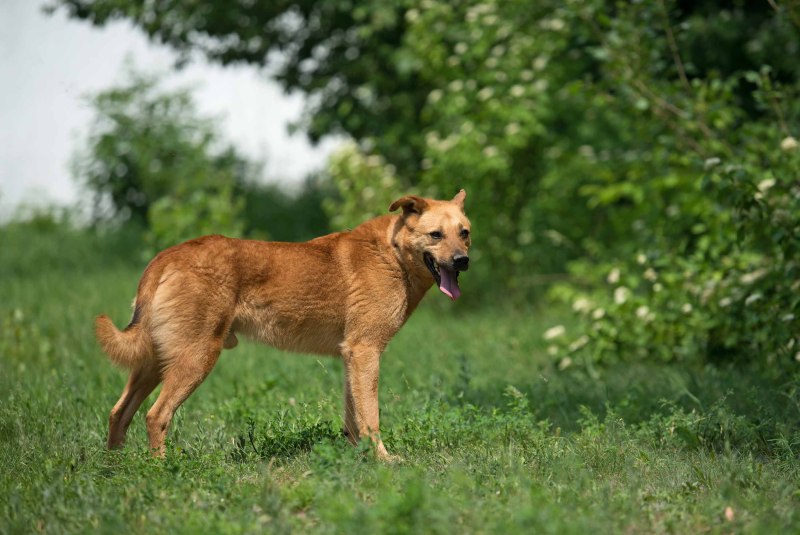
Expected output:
(412, 269)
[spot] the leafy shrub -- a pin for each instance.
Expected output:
(147, 143)
(366, 187)
(174, 219)
(715, 274)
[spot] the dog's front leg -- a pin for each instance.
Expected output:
(361, 414)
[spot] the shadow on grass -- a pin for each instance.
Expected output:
(718, 409)
(280, 439)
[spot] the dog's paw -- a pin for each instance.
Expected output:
(391, 459)
(385, 456)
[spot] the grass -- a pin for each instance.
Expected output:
(493, 436)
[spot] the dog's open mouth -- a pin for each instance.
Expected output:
(446, 279)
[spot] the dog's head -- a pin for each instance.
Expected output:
(436, 234)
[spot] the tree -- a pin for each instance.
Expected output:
(347, 57)
(150, 159)
(145, 144)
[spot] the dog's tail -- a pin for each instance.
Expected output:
(128, 348)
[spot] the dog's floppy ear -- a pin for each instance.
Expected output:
(458, 200)
(411, 204)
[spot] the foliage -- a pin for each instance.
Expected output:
(274, 212)
(151, 159)
(710, 265)
(589, 134)
(347, 57)
(495, 438)
(147, 144)
(199, 213)
(366, 187)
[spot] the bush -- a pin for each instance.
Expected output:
(174, 219)
(153, 161)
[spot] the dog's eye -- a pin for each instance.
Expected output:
(436, 235)
(464, 234)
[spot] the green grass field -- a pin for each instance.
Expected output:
(495, 439)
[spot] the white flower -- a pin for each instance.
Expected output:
(598, 313)
(554, 332)
(461, 48)
(490, 151)
(621, 295)
(788, 143)
(412, 15)
(686, 308)
(787, 317)
(642, 312)
(581, 305)
(456, 85)
(565, 363)
(750, 278)
(485, 93)
(613, 276)
(448, 143)
(765, 184)
(641, 259)
(517, 90)
(712, 162)
(579, 343)
(552, 350)
(512, 129)
(797, 356)
(657, 287)
(752, 299)
(552, 24)
(725, 302)
(650, 274)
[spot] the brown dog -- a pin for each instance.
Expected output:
(346, 294)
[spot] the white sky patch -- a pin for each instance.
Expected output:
(49, 63)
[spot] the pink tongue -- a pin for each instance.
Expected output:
(449, 284)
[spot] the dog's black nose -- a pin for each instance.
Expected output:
(461, 262)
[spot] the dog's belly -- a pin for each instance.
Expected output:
(301, 331)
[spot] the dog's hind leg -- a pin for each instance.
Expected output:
(183, 373)
(140, 384)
